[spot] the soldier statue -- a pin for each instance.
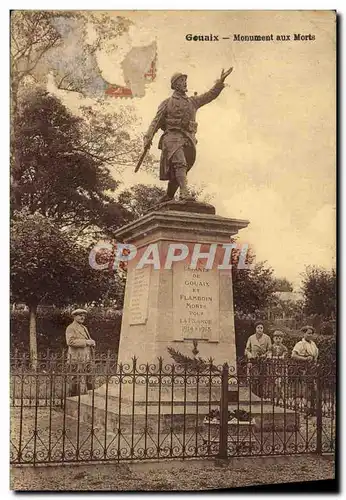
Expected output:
(176, 117)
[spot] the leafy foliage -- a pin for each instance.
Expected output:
(139, 199)
(326, 344)
(286, 308)
(74, 63)
(104, 325)
(46, 266)
(283, 285)
(32, 36)
(58, 170)
(109, 137)
(319, 291)
(37, 42)
(107, 28)
(253, 288)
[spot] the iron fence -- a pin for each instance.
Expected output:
(144, 411)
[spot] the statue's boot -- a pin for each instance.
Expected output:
(180, 175)
(171, 190)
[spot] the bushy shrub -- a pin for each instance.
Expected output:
(328, 327)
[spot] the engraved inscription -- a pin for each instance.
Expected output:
(196, 304)
(139, 296)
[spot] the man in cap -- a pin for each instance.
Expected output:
(79, 351)
(176, 116)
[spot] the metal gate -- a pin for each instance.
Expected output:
(141, 412)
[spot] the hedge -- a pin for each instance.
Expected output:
(104, 326)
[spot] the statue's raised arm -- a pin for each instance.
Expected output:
(225, 74)
(213, 93)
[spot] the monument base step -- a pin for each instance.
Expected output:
(184, 206)
(111, 413)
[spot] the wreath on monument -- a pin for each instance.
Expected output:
(195, 364)
(234, 416)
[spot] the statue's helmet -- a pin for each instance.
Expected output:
(176, 77)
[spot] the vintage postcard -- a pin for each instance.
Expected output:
(173, 250)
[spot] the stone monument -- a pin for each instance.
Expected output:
(179, 295)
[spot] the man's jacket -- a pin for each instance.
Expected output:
(76, 337)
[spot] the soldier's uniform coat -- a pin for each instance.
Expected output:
(176, 117)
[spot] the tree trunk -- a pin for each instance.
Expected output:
(33, 336)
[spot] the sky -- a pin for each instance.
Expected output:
(266, 147)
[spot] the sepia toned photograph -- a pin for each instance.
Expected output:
(173, 250)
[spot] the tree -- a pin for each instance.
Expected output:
(96, 140)
(106, 27)
(40, 44)
(32, 36)
(108, 137)
(319, 291)
(283, 285)
(141, 198)
(60, 170)
(47, 267)
(74, 64)
(253, 288)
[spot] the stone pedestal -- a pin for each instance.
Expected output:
(174, 305)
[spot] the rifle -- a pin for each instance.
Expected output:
(140, 161)
(154, 127)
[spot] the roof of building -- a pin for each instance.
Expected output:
(286, 296)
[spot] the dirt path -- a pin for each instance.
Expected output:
(174, 475)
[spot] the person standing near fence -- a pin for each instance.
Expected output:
(305, 352)
(79, 354)
(257, 349)
(277, 371)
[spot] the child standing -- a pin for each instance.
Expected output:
(277, 354)
(279, 350)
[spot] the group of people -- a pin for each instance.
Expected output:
(260, 349)
(269, 376)
(260, 345)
